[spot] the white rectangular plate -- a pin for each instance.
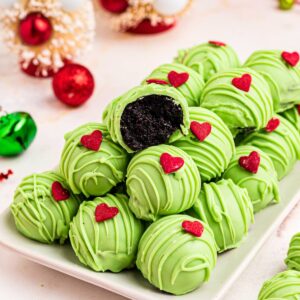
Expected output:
(130, 283)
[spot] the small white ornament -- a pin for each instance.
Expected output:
(7, 3)
(72, 4)
(170, 7)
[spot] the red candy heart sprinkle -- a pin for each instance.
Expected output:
(292, 58)
(195, 228)
(92, 141)
(272, 125)
(250, 163)
(104, 212)
(4, 176)
(170, 164)
(242, 83)
(178, 79)
(157, 81)
(59, 193)
(200, 130)
(298, 108)
(217, 43)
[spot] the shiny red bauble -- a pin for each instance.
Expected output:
(145, 27)
(114, 6)
(73, 84)
(35, 29)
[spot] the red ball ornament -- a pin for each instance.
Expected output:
(73, 84)
(35, 29)
(114, 6)
(145, 27)
(33, 71)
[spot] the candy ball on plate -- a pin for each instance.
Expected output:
(209, 58)
(285, 285)
(105, 234)
(293, 115)
(281, 141)
(281, 70)
(43, 207)
(162, 180)
(209, 143)
(293, 257)
(227, 209)
(184, 79)
(91, 162)
(177, 254)
(146, 116)
(251, 168)
(241, 97)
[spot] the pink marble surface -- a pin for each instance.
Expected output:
(120, 61)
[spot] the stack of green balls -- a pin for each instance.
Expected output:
(176, 170)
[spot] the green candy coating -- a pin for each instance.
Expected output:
(227, 209)
(17, 132)
(293, 257)
(239, 110)
(282, 145)
(283, 79)
(37, 215)
(293, 115)
(92, 173)
(173, 260)
(109, 245)
(191, 89)
(208, 59)
(283, 286)
(213, 155)
(262, 186)
(153, 193)
(113, 112)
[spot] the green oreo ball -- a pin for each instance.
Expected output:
(92, 171)
(174, 260)
(40, 213)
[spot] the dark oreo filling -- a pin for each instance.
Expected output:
(150, 121)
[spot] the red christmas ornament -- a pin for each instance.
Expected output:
(114, 6)
(250, 163)
(104, 212)
(195, 228)
(92, 141)
(145, 27)
(171, 164)
(73, 84)
(35, 29)
(242, 83)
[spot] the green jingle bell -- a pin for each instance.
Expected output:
(286, 4)
(17, 131)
